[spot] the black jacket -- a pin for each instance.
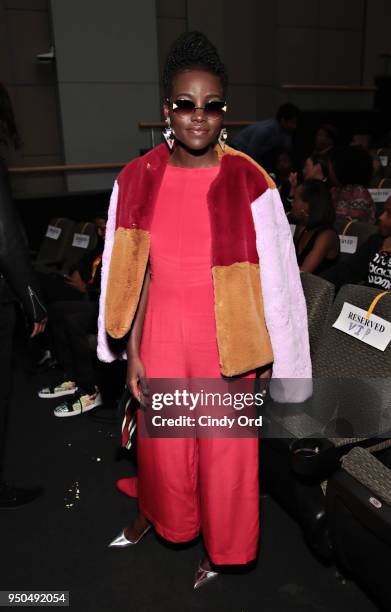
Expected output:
(355, 269)
(16, 275)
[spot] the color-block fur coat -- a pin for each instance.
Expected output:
(260, 310)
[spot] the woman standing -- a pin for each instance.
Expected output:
(200, 266)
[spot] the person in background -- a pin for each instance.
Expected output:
(70, 324)
(351, 171)
(17, 283)
(371, 263)
(315, 167)
(316, 241)
(361, 138)
(380, 174)
(264, 137)
(8, 132)
(325, 138)
(281, 175)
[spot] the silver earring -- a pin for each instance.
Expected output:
(169, 134)
(222, 138)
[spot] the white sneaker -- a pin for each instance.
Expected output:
(82, 402)
(68, 387)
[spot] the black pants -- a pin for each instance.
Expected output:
(7, 327)
(70, 323)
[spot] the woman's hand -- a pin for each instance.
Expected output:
(267, 373)
(135, 379)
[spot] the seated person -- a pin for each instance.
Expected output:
(371, 263)
(70, 324)
(282, 170)
(315, 167)
(380, 176)
(361, 138)
(325, 138)
(316, 241)
(352, 169)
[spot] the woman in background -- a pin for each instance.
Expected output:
(351, 172)
(315, 167)
(316, 241)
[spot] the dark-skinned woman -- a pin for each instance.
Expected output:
(199, 269)
(316, 241)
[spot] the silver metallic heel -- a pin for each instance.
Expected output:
(203, 576)
(121, 541)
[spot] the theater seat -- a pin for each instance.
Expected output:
(319, 295)
(84, 239)
(351, 406)
(362, 231)
(358, 502)
(352, 385)
(58, 237)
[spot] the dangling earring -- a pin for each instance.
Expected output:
(169, 134)
(222, 138)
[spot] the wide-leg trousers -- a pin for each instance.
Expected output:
(188, 485)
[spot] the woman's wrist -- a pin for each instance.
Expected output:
(132, 354)
(132, 347)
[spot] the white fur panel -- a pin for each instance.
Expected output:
(104, 351)
(284, 303)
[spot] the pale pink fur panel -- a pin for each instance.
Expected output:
(104, 352)
(284, 302)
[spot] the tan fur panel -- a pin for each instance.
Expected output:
(230, 151)
(127, 269)
(242, 336)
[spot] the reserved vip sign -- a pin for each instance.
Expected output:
(53, 232)
(348, 244)
(380, 195)
(374, 331)
(81, 240)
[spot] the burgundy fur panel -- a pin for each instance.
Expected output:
(139, 184)
(236, 186)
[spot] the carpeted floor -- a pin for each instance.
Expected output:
(60, 542)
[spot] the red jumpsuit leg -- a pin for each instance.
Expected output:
(229, 493)
(167, 467)
(229, 489)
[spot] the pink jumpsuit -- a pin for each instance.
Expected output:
(187, 484)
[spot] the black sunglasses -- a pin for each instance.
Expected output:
(212, 109)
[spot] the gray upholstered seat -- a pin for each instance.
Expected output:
(319, 295)
(358, 375)
(351, 407)
(84, 239)
(356, 228)
(52, 252)
(358, 505)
